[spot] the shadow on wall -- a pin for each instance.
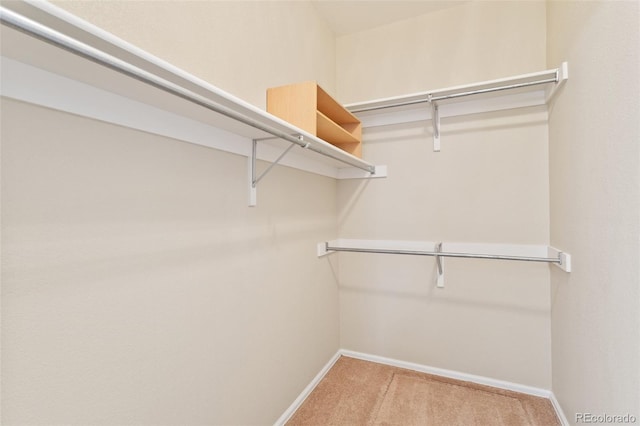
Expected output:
(431, 298)
(493, 285)
(353, 191)
(494, 121)
(109, 255)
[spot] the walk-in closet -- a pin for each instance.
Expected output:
(320, 212)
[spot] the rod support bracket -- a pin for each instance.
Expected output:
(435, 118)
(253, 177)
(440, 266)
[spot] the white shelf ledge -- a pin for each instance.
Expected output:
(36, 71)
(506, 93)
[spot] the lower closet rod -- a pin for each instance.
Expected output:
(447, 254)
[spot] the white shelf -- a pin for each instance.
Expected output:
(38, 72)
(494, 95)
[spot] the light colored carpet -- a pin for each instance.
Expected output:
(356, 392)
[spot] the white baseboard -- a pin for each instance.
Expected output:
(306, 391)
(559, 412)
(516, 387)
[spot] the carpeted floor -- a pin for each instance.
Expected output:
(356, 392)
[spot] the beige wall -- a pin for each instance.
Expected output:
(471, 42)
(488, 184)
(242, 47)
(138, 287)
(595, 207)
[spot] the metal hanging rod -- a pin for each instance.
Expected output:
(414, 248)
(48, 35)
(434, 98)
(557, 260)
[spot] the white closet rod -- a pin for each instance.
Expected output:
(76, 47)
(557, 260)
(431, 98)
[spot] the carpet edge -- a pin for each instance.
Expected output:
(291, 410)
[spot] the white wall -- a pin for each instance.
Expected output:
(488, 184)
(595, 207)
(137, 286)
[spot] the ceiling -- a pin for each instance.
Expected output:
(350, 16)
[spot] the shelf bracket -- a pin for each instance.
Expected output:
(253, 177)
(435, 119)
(440, 266)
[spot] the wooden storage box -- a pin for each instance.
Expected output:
(307, 106)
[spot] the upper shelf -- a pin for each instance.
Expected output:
(53, 58)
(507, 93)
